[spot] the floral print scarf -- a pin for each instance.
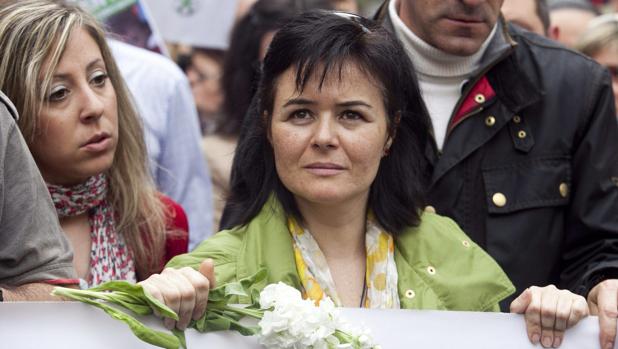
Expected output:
(381, 275)
(110, 257)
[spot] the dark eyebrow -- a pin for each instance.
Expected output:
(354, 104)
(299, 101)
(88, 67)
(302, 101)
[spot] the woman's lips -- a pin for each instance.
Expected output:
(324, 169)
(98, 143)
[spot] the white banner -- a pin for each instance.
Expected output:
(78, 326)
(205, 23)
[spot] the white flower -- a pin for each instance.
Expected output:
(291, 322)
(278, 292)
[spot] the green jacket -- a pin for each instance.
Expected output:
(438, 266)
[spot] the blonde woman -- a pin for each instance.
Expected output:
(600, 42)
(86, 138)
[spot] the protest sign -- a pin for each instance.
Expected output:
(204, 23)
(76, 325)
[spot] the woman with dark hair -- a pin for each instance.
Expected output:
(333, 177)
(241, 71)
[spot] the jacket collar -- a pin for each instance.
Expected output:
(512, 76)
(268, 244)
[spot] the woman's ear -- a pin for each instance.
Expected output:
(394, 126)
(387, 146)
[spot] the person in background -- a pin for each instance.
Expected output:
(87, 140)
(34, 253)
(532, 15)
(568, 19)
(163, 97)
(243, 7)
(349, 6)
(600, 41)
(524, 155)
(204, 67)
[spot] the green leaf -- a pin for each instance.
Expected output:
(126, 294)
(219, 314)
(117, 285)
(136, 290)
(160, 307)
(136, 305)
(181, 337)
(246, 287)
(216, 322)
(143, 332)
(234, 289)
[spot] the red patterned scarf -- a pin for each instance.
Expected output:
(110, 258)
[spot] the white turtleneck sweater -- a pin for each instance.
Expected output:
(440, 75)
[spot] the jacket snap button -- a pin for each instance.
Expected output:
(521, 134)
(431, 270)
(430, 209)
(490, 121)
(564, 190)
(479, 98)
(517, 119)
(466, 243)
(410, 294)
(499, 199)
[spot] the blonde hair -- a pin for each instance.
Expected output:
(35, 32)
(602, 33)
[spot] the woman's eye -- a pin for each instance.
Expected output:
(351, 115)
(99, 78)
(301, 114)
(58, 94)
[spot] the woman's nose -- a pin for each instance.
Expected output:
(92, 105)
(325, 136)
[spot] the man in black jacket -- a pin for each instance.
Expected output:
(526, 151)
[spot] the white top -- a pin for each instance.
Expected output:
(441, 75)
(165, 102)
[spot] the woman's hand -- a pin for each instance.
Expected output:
(549, 312)
(185, 291)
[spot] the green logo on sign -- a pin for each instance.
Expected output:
(186, 7)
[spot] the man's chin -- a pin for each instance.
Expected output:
(461, 46)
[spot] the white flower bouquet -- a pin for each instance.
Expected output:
(285, 319)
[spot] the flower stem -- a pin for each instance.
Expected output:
(254, 313)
